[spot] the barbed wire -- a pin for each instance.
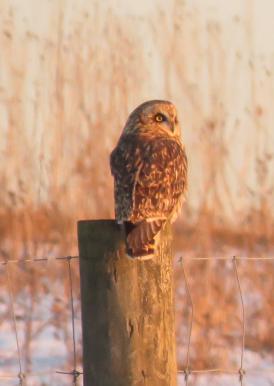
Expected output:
(187, 370)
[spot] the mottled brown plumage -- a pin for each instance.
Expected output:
(149, 166)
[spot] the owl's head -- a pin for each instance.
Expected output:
(154, 117)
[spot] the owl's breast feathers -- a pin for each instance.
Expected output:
(150, 175)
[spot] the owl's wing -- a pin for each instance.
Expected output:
(158, 192)
(150, 178)
(125, 161)
(161, 179)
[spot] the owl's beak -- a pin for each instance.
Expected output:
(175, 128)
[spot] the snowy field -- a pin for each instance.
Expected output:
(50, 354)
(259, 372)
(263, 376)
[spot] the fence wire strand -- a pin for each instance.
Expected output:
(241, 369)
(21, 375)
(75, 373)
(187, 371)
(188, 292)
(241, 372)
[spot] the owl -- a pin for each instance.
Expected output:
(149, 166)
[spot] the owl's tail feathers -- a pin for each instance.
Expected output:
(140, 238)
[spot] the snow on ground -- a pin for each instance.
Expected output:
(259, 372)
(50, 354)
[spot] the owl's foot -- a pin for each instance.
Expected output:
(141, 254)
(140, 258)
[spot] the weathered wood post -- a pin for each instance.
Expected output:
(127, 310)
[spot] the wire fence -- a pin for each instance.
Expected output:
(21, 375)
(187, 371)
(240, 371)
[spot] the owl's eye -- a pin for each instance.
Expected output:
(160, 117)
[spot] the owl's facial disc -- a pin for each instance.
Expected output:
(154, 116)
(167, 122)
(164, 121)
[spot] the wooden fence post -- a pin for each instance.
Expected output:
(127, 310)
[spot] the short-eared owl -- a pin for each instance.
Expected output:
(149, 166)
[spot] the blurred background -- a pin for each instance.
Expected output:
(70, 73)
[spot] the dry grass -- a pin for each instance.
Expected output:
(65, 97)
